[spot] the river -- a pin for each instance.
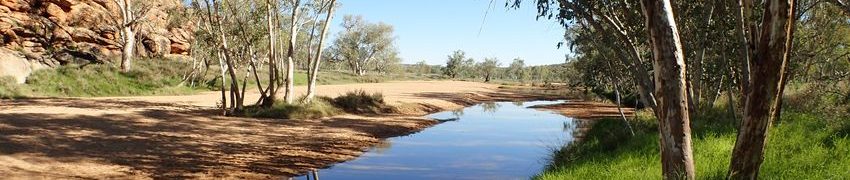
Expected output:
(502, 140)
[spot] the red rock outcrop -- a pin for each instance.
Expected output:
(41, 29)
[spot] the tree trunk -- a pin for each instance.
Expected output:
(670, 89)
(766, 83)
(127, 33)
(290, 67)
(314, 71)
(744, 29)
(268, 101)
(129, 46)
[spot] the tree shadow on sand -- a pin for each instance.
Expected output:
(191, 143)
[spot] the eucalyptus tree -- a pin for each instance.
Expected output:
(770, 44)
(516, 70)
(454, 63)
(671, 90)
(317, 58)
(360, 42)
(220, 20)
(387, 62)
(488, 68)
(267, 97)
(468, 69)
(421, 68)
(290, 53)
(131, 13)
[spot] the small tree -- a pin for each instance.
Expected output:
(131, 12)
(421, 68)
(517, 69)
(488, 68)
(453, 64)
(314, 69)
(360, 42)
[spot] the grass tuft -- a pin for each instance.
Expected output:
(361, 102)
(9, 89)
(318, 108)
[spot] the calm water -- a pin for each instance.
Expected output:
(489, 141)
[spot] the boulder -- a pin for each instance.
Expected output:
(157, 45)
(42, 28)
(180, 41)
(15, 65)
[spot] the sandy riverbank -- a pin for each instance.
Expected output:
(182, 137)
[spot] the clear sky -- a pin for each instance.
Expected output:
(431, 29)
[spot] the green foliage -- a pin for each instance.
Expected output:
(488, 68)
(318, 108)
(150, 77)
(516, 70)
(361, 102)
(801, 146)
(454, 64)
(364, 46)
(9, 89)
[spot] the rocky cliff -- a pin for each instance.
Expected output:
(58, 32)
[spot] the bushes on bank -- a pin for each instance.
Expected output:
(318, 108)
(9, 89)
(361, 102)
(355, 102)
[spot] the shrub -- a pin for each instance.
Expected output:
(318, 108)
(9, 89)
(360, 101)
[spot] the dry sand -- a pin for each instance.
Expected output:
(166, 137)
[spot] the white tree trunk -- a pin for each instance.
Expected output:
(290, 67)
(314, 70)
(127, 34)
(670, 89)
(268, 101)
(128, 47)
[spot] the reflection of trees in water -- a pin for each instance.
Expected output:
(490, 107)
(382, 146)
(581, 128)
(458, 112)
(517, 103)
(311, 175)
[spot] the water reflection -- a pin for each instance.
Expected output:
(502, 140)
(490, 107)
(518, 103)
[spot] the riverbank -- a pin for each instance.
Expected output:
(802, 146)
(182, 137)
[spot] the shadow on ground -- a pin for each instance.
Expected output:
(155, 140)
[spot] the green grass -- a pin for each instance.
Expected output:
(800, 146)
(319, 107)
(9, 89)
(150, 77)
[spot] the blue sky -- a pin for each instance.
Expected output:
(431, 29)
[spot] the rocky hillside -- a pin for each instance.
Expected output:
(57, 32)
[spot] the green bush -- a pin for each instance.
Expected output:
(9, 89)
(318, 108)
(360, 102)
(148, 77)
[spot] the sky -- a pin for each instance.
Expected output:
(430, 30)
